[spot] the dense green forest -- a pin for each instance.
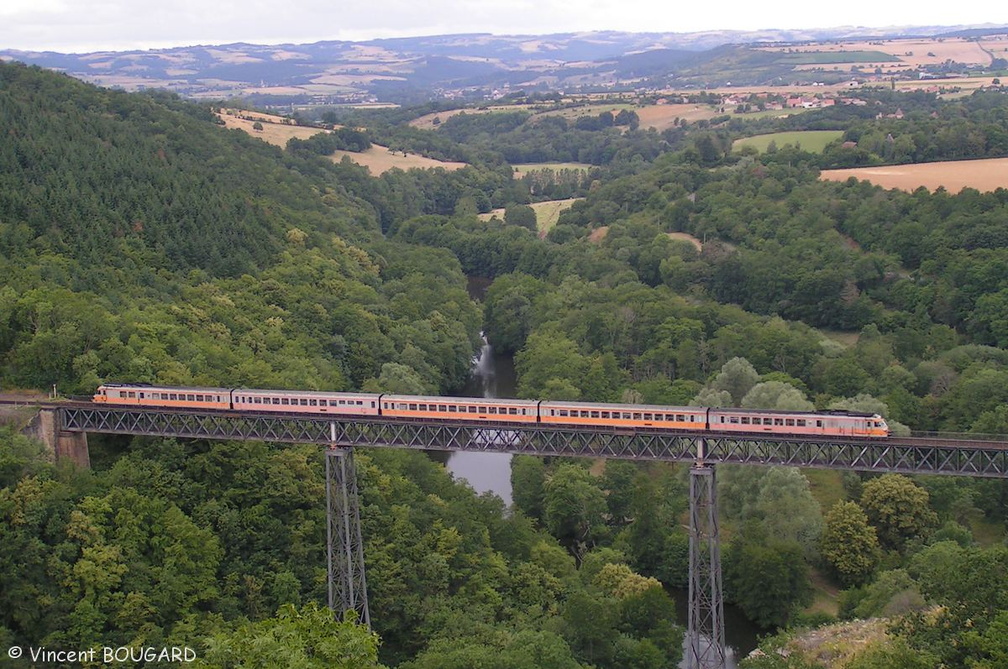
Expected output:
(141, 241)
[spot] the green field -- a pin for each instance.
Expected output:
(827, 57)
(809, 140)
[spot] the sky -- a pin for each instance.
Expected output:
(77, 26)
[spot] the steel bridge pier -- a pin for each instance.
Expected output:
(705, 647)
(344, 546)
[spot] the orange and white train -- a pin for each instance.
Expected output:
(503, 411)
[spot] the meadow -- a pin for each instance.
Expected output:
(809, 140)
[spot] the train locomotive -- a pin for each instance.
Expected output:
(844, 424)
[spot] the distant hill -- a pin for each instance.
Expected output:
(459, 66)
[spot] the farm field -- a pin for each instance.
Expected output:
(983, 175)
(809, 140)
(378, 159)
(274, 131)
(903, 53)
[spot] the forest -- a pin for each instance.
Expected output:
(141, 241)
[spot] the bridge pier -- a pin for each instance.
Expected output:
(705, 647)
(344, 546)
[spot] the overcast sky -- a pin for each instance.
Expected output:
(90, 25)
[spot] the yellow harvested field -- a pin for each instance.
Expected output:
(274, 131)
(983, 175)
(378, 159)
(661, 117)
(911, 52)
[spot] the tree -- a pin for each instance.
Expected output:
(575, 508)
(768, 579)
(528, 479)
(305, 638)
(521, 215)
(849, 544)
(737, 377)
(898, 509)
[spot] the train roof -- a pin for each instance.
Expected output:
(308, 393)
(437, 399)
(621, 407)
(150, 386)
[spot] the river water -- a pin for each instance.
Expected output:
(494, 376)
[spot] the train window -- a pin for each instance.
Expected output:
(745, 420)
(412, 407)
(472, 409)
(604, 414)
(421, 407)
(493, 410)
(800, 422)
(648, 416)
(442, 408)
(680, 417)
(789, 421)
(155, 396)
(313, 403)
(514, 412)
(733, 419)
(174, 396)
(372, 404)
(451, 408)
(593, 414)
(342, 402)
(636, 416)
(483, 410)
(778, 421)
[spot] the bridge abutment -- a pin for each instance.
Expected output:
(61, 446)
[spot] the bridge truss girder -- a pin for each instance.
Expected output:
(907, 456)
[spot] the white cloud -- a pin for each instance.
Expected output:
(118, 24)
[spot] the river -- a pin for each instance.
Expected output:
(494, 376)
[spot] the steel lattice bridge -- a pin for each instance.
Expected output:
(930, 455)
(345, 549)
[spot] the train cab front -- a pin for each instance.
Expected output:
(879, 427)
(101, 395)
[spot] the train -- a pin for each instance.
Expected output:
(844, 424)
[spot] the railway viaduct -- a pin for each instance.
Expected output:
(65, 425)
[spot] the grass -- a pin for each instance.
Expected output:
(809, 140)
(826, 486)
(547, 213)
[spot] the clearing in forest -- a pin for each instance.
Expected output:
(983, 175)
(378, 159)
(547, 213)
(276, 130)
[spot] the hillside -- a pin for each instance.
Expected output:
(480, 66)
